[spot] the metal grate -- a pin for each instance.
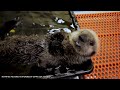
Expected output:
(107, 60)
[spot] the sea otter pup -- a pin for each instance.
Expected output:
(72, 49)
(29, 55)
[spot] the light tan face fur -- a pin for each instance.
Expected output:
(85, 42)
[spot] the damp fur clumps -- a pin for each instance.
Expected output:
(19, 53)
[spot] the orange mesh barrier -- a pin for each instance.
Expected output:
(107, 60)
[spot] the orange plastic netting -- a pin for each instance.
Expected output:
(107, 60)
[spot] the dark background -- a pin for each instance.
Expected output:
(32, 22)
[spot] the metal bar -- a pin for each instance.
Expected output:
(66, 75)
(74, 20)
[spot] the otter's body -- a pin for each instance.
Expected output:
(57, 49)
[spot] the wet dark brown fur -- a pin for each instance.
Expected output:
(22, 52)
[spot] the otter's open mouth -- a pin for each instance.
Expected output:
(87, 55)
(77, 44)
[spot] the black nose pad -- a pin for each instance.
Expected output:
(93, 53)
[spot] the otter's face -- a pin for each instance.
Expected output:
(85, 42)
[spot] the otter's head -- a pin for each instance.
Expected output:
(85, 42)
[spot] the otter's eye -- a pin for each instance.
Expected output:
(91, 43)
(81, 39)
